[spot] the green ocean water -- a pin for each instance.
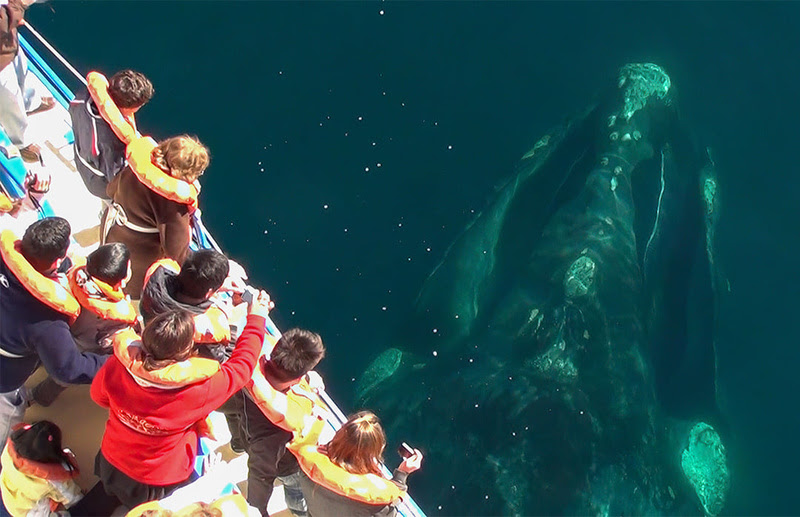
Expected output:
(352, 141)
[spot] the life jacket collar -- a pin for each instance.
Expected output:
(365, 488)
(128, 350)
(46, 290)
(99, 297)
(123, 126)
(37, 469)
(138, 155)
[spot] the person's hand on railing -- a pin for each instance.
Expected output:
(412, 463)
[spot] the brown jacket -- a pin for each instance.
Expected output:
(11, 15)
(146, 208)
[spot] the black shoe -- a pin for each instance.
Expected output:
(237, 446)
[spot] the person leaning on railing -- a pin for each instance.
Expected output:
(344, 477)
(153, 200)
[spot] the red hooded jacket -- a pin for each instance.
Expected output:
(151, 434)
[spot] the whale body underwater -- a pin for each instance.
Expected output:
(561, 356)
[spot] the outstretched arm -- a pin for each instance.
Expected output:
(60, 356)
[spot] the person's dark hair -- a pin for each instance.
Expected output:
(296, 353)
(130, 89)
(109, 263)
(45, 241)
(41, 441)
(203, 270)
(168, 338)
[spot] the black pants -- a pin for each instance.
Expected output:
(268, 456)
(116, 487)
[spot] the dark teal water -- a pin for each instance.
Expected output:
(351, 142)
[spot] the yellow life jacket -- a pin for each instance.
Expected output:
(138, 156)
(44, 289)
(115, 306)
(37, 469)
(365, 488)
(233, 505)
(25, 484)
(128, 350)
(124, 127)
(289, 411)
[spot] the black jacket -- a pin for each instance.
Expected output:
(99, 153)
(158, 296)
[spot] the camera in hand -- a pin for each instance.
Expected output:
(249, 295)
(405, 450)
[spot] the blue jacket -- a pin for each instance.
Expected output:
(39, 334)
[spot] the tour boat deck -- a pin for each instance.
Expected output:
(82, 421)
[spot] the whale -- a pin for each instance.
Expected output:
(561, 358)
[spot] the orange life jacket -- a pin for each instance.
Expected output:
(138, 156)
(365, 488)
(212, 326)
(44, 289)
(37, 469)
(233, 505)
(128, 350)
(289, 410)
(115, 306)
(124, 127)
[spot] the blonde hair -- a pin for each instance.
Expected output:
(358, 445)
(184, 157)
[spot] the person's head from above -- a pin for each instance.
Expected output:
(296, 353)
(110, 263)
(45, 244)
(168, 338)
(130, 91)
(40, 441)
(193, 510)
(182, 157)
(202, 273)
(358, 445)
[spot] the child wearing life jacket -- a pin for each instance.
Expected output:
(37, 475)
(158, 395)
(105, 309)
(344, 477)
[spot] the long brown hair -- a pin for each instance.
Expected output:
(167, 339)
(358, 445)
